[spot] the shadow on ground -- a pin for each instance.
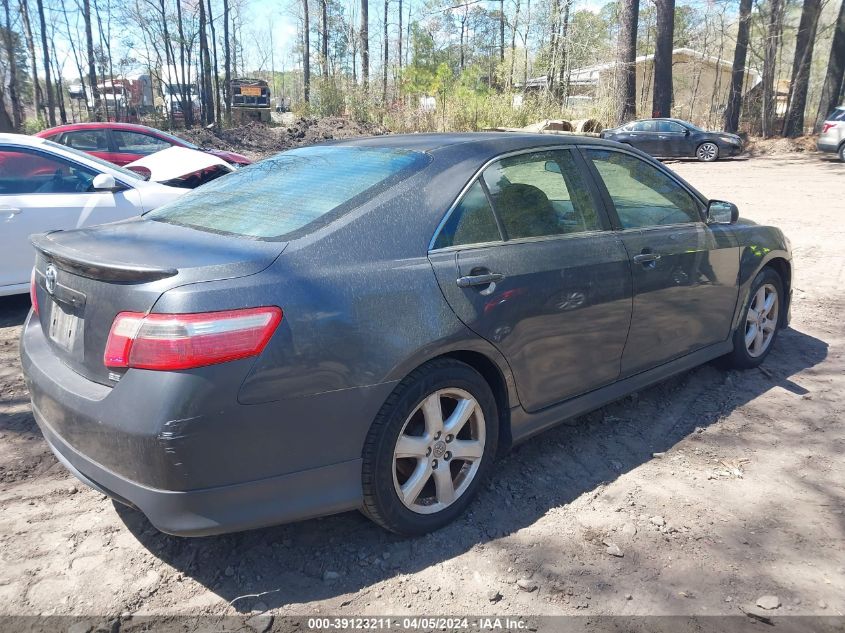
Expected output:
(325, 558)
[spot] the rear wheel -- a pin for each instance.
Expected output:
(707, 152)
(842, 152)
(429, 448)
(758, 329)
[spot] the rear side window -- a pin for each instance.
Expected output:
(837, 115)
(471, 222)
(277, 197)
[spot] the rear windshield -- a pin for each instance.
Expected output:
(837, 115)
(276, 197)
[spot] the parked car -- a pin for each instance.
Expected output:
(123, 143)
(673, 138)
(181, 167)
(832, 138)
(45, 186)
(366, 324)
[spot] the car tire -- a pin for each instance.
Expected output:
(753, 325)
(707, 152)
(407, 450)
(842, 152)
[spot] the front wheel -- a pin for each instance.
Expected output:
(842, 152)
(707, 152)
(429, 448)
(758, 329)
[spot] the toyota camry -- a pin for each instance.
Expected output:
(367, 324)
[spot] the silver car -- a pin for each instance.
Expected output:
(832, 138)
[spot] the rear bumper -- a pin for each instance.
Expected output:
(292, 497)
(827, 146)
(178, 445)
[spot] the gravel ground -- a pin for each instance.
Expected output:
(699, 496)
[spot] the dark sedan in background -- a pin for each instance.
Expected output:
(673, 138)
(366, 324)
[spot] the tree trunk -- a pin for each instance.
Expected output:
(734, 107)
(365, 45)
(563, 46)
(773, 38)
(306, 54)
(400, 35)
(325, 54)
(9, 45)
(205, 62)
(33, 60)
(386, 58)
(793, 124)
(217, 107)
(45, 50)
(665, 13)
(833, 81)
(184, 84)
(501, 30)
(92, 67)
(554, 29)
(513, 45)
(626, 68)
(227, 63)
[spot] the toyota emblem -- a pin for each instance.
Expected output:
(50, 279)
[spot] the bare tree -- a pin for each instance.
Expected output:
(734, 107)
(214, 55)
(324, 55)
(11, 56)
(793, 124)
(833, 80)
(205, 63)
(773, 39)
(227, 63)
(306, 54)
(364, 35)
(386, 58)
(45, 51)
(626, 55)
(665, 13)
(33, 59)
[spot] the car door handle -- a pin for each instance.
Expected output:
(646, 258)
(479, 280)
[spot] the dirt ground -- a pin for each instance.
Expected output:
(698, 496)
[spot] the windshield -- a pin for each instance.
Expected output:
(128, 173)
(277, 197)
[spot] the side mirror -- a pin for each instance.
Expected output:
(104, 182)
(720, 212)
(552, 166)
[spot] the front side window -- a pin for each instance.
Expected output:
(670, 126)
(135, 143)
(540, 194)
(645, 126)
(642, 194)
(24, 172)
(283, 194)
(87, 140)
(471, 221)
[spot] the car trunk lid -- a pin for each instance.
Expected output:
(85, 277)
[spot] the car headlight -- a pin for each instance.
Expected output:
(732, 140)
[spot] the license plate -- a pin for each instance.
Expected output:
(250, 91)
(64, 327)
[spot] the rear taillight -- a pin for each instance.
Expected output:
(184, 341)
(33, 297)
(828, 126)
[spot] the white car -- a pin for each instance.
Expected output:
(45, 186)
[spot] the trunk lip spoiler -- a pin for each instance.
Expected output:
(104, 269)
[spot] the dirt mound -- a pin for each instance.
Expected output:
(779, 146)
(257, 140)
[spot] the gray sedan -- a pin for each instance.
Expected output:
(367, 324)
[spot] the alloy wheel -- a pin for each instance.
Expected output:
(707, 152)
(439, 451)
(761, 320)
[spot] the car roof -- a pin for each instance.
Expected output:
(21, 139)
(480, 141)
(99, 125)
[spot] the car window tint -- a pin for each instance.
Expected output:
(283, 194)
(23, 172)
(540, 194)
(837, 115)
(471, 221)
(136, 143)
(669, 126)
(87, 140)
(642, 194)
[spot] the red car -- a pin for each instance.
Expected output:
(123, 143)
